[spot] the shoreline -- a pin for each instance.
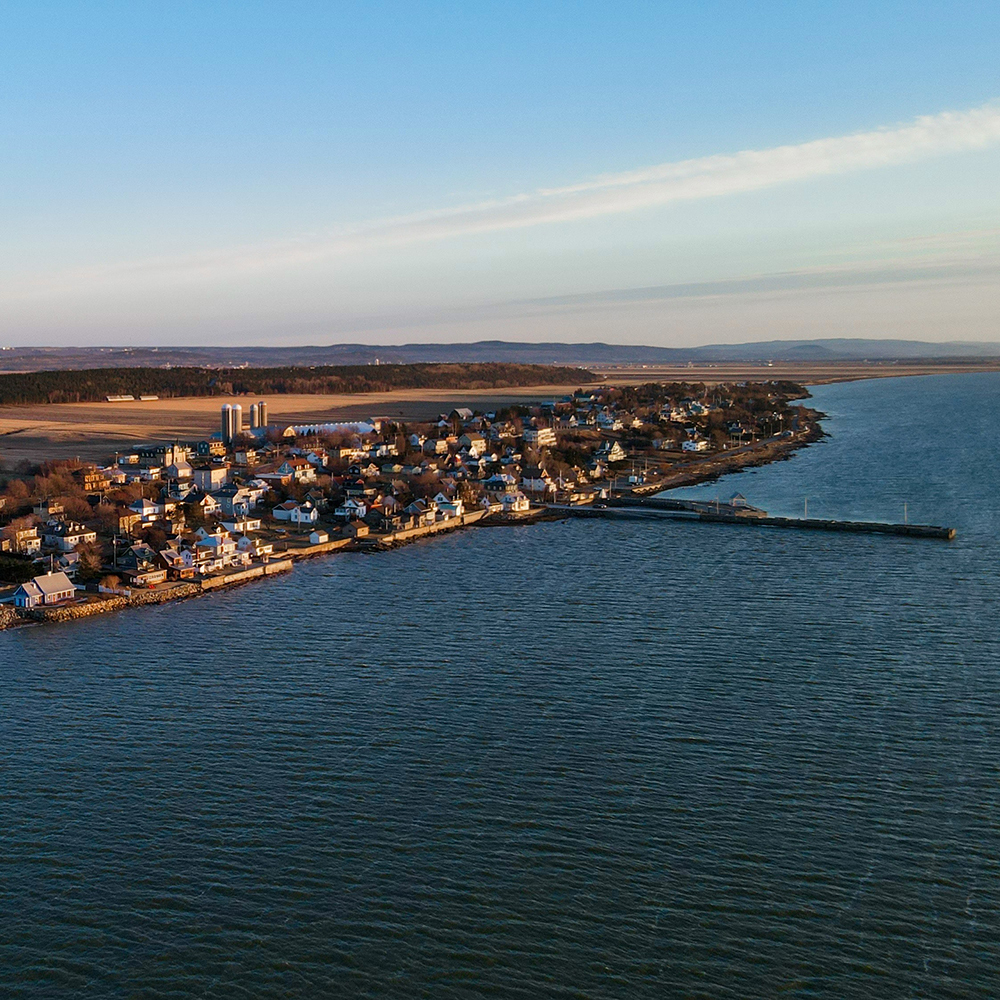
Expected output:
(43, 431)
(708, 470)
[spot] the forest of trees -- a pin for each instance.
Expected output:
(95, 384)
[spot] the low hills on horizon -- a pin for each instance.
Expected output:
(25, 359)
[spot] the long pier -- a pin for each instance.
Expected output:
(745, 515)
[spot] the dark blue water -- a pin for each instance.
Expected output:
(582, 759)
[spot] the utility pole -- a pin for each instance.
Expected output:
(806, 502)
(906, 519)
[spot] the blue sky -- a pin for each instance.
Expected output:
(296, 172)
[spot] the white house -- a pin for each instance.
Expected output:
(611, 452)
(473, 443)
(179, 470)
(44, 590)
(447, 509)
(146, 509)
(537, 480)
(351, 509)
(220, 544)
(318, 537)
(210, 477)
(180, 561)
(67, 535)
(544, 437)
(425, 511)
(242, 525)
(296, 513)
(695, 445)
(256, 547)
(515, 502)
(300, 469)
(435, 446)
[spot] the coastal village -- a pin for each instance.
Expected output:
(164, 520)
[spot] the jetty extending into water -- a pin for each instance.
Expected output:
(741, 513)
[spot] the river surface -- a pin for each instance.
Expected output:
(580, 759)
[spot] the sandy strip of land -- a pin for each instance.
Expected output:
(95, 431)
(804, 372)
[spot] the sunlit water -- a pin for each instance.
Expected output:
(581, 759)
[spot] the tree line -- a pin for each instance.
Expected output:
(93, 385)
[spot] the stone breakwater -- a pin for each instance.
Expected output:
(71, 612)
(11, 616)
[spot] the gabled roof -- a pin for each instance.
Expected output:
(49, 584)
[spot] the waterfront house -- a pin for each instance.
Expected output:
(514, 502)
(391, 504)
(255, 547)
(220, 544)
(178, 562)
(425, 512)
(318, 537)
(141, 566)
(537, 480)
(44, 591)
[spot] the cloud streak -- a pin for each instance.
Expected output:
(616, 194)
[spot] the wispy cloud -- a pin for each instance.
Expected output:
(634, 191)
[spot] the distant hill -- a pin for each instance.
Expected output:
(23, 359)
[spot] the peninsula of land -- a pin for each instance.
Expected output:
(172, 517)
